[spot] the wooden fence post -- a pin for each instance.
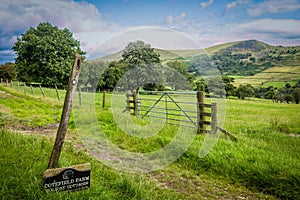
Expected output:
(57, 94)
(64, 120)
(214, 118)
(201, 117)
(103, 99)
(18, 86)
(24, 88)
(6, 82)
(31, 89)
(42, 91)
(135, 103)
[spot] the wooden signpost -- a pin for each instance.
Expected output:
(64, 120)
(74, 177)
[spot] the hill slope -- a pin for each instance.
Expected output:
(249, 61)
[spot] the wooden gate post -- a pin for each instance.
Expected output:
(64, 120)
(214, 118)
(135, 103)
(200, 116)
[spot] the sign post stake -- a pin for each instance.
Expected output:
(64, 121)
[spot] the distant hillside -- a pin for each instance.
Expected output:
(249, 61)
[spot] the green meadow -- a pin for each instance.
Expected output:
(264, 162)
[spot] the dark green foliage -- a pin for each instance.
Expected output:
(8, 71)
(90, 73)
(137, 53)
(45, 54)
(141, 57)
(244, 91)
(200, 85)
(296, 95)
(182, 68)
(111, 76)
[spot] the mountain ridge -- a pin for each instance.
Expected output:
(249, 61)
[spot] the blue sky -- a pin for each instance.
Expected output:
(209, 22)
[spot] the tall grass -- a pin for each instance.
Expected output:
(265, 157)
(25, 158)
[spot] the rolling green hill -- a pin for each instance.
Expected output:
(250, 61)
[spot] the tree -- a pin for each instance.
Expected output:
(146, 64)
(244, 91)
(229, 88)
(215, 85)
(137, 53)
(200, 85)
(111, 76)
(8, 71)
(296, 95)
(182, 68)
(90, 73)
(45, 54)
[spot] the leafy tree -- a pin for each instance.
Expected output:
(200, 85)
(244, 91)
(216, 86)
(45, 54)
(8, 71)
(137, 53)
(111, 76)
(229, 88)
(296, 95)
(140, 56)
(182, 68)
(90, 73)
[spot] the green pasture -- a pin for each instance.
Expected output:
(264, 162)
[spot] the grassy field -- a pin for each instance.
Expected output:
(263, 164)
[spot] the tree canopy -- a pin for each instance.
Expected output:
(146, 64)
(45, 54)
(138, 52)
(8, 71)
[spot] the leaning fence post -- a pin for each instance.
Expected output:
(31, 90)
(214, 117)
(65, 116)
(200, 116)
(42, 91)
(57, 93)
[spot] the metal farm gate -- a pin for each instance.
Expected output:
(178, 108)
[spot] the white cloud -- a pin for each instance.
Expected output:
(234, 4)
(285, 28)
(272, 31)
(81, 18)
(274, 6)
(170, 20)
(206, 4)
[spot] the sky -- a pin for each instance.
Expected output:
(207, 22)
